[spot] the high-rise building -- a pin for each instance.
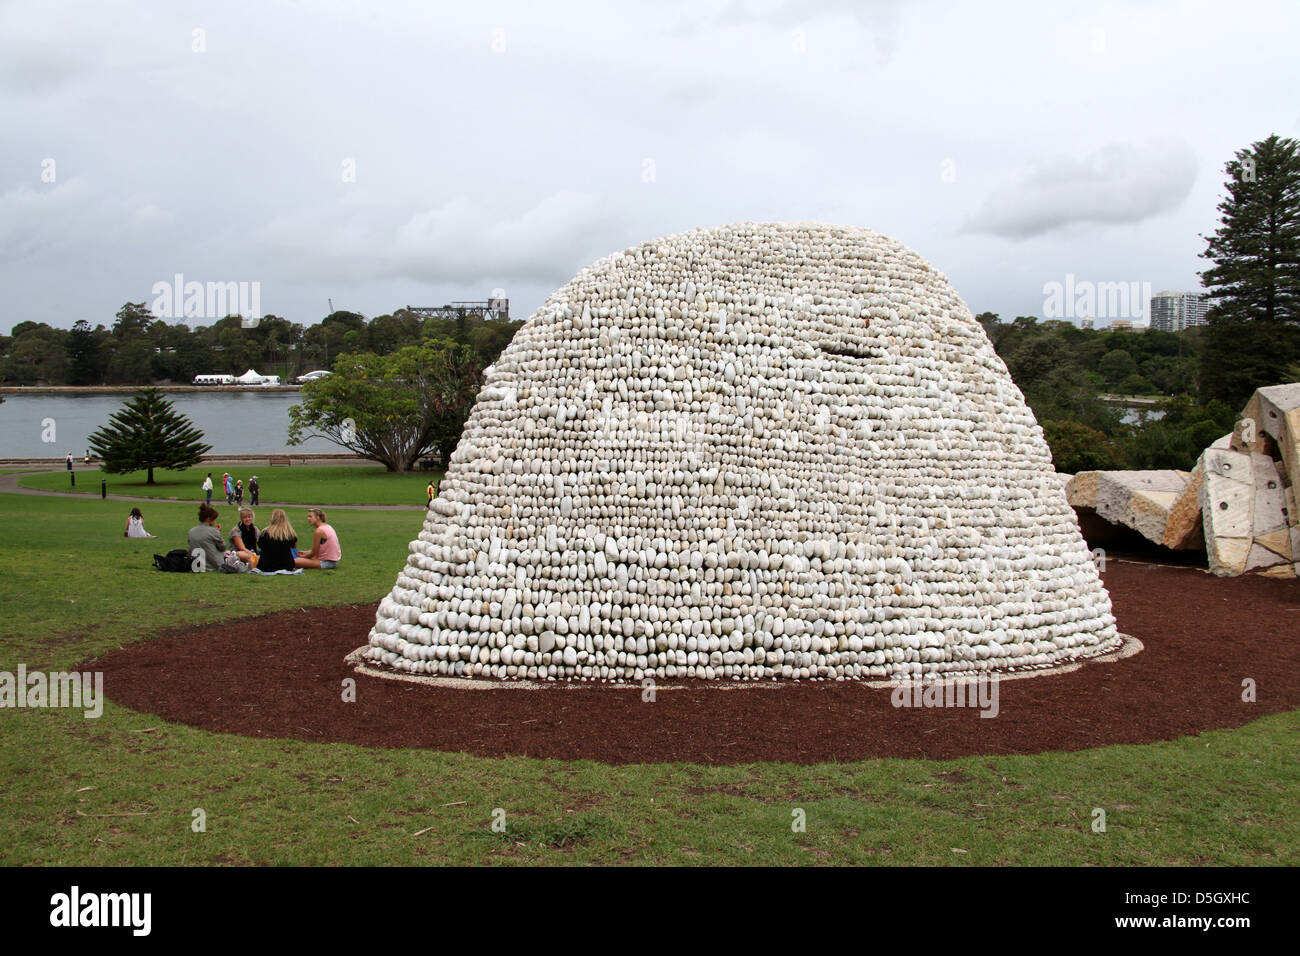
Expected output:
(1175, 311)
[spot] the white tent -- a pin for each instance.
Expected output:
(251, 378)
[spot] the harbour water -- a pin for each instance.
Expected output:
(232, 422)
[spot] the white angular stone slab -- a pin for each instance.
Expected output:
(1227, 509)
(1081, 490)
(1261, 557)
(1274, 403)
(1270, 496)
(1183, 529)
(1115, 490)
(1278, 542)
(1148, 513)
(1289, 450)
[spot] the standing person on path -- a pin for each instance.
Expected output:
(432, 492)
(69, 461)
(239, 492)
(252, 490)
(230, 490)
(207, 489)
(325, 551)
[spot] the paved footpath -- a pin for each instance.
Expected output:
(9, 485)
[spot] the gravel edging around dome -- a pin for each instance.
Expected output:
(1202, 637)
(359, 662)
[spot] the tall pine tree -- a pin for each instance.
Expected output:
(83, 354)
(148, 432)
(1254, 334)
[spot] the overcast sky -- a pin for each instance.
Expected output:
(383, 154)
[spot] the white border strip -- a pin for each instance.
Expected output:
(1129, 647)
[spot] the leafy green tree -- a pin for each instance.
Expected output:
(22, 328)
(1170, 375)
(1033, 358)
(1255, 279)
(134, 318)
(1177, 439)
(1135, 384)
(345, 321)
(388, 333)
(37, 354)
(239, 352)
(132, 349)
(276, 337)
(147, 432)
(1076, 447)
(488, 337)
(1066, 394)
(1117, 365)
(193, 356)
(85, 366)
(392, 409)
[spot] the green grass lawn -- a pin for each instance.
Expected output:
(297, 484)
(121, 789)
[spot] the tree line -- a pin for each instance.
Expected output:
(1077, 380)
(139, 349)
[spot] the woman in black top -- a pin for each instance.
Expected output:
(276, 544)
(243, 537)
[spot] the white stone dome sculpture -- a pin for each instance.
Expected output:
(762, 451)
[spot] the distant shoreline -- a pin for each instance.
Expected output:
(271, 459)
(118, 389)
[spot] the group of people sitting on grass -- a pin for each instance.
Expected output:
(268, 550)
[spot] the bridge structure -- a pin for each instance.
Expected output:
(488, 308)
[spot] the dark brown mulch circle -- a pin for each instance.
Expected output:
(282, 676)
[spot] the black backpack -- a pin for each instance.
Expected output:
(178, 559)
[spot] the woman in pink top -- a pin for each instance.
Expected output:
(325, 552)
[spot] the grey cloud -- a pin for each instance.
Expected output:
(52, 217)
(1116, 184)
(461, 240)
(34, 72)
(878, 18)
(38, 57)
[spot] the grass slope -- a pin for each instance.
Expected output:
(299, 484)
(123, 789)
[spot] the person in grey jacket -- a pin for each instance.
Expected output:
(206, 536)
